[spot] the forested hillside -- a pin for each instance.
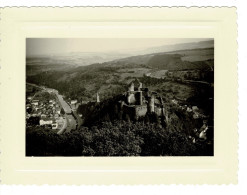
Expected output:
(117, 138)
(111, 78)
(201, 59)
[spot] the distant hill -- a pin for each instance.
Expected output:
(201, 59)
(112, 77)
(181, 46)
(87, 58)
(175, 60)
(73, 58)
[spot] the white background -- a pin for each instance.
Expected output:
(241, 188)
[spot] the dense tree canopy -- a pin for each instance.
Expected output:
(118, 138)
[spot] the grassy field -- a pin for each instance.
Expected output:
(196, 54)
(174, 90)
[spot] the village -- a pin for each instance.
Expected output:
(47, 110)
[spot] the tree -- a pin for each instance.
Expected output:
(33, 120)
(62, 111)
(127, 117)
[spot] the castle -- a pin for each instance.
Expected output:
(139, 101)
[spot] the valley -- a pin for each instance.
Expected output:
(183, 79)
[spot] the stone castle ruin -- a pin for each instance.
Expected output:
(139, 101)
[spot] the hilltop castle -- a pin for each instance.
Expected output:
(139, 101)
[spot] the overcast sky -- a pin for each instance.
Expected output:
(41, 46)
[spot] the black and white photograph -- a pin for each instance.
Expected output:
(119, 97)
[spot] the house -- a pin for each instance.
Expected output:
(195, 116)
(189, 109)
(84, 102)
(147, 74)
(73, 101)
(58, 110)
(43, 116)
(54, 125)
(195, 109)
(35, 113)
(47, 121)
(35, 103)
(73, 104)
(28, 115)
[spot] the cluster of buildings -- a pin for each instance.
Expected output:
(139, 101)
(190, 109)
(201, 133)
(48, 111)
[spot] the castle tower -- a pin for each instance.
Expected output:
(146, 92)
(161, 101)
(97, 98)
(166, 115)
(140, 86)
(131, 87)
(140, 96)
(128, 97)
(151, 104)
(162, 110)
(162, 106)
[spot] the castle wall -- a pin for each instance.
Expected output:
(140, 87)
(141, 110)
(130, 110)
(158, 111)
(138, 97)
(131, 98)
(151, 104)
(132, 87)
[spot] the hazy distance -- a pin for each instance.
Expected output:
(60, 46)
